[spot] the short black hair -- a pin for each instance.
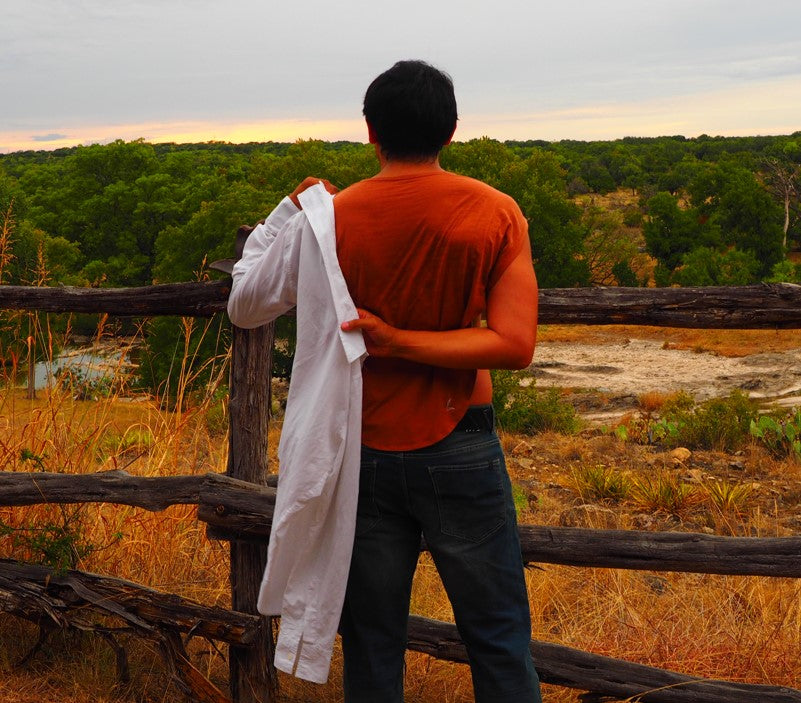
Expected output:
(412, 110)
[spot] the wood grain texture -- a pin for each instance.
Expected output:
(761, 306)
(243, 511)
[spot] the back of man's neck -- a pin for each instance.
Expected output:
(396, 167)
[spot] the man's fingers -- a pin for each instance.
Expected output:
(358, 324)
(308, 182)
(330, 187)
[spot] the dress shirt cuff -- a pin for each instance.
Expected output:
(282, 213)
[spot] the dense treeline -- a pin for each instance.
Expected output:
(636, 211)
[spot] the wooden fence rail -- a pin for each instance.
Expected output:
(242, 510)
(762, 306)
(238, 507)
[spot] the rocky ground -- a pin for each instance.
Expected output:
(605, 381)
(608, 377)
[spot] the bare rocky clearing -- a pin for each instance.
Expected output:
(608, 378)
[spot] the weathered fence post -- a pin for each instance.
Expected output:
(252, 675)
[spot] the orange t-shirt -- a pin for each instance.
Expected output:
(421, 251)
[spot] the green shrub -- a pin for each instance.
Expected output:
(664, 492)
(599, 482)
(781, 435)
(528, 410)
(519, 498)
(727, 496)
(677, 403)
(60, 544)
(182, 354)
(61, 547)
(84, 386)
(718, 423)
(632, 217)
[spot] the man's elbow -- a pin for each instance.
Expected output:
(520, 355)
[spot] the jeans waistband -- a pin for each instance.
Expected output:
(478, 418)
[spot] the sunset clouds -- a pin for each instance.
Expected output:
(175, 70)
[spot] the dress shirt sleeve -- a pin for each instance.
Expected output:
(265, 279)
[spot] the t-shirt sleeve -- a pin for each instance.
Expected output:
(512, 234)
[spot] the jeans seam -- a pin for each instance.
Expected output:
(405, 484)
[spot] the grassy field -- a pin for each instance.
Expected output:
(744, 629)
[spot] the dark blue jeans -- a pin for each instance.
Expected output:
(457, 494)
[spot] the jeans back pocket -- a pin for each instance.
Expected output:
(470, 499)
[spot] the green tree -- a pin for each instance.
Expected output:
(733, 199)
(783, 180)
(671, 232)
(624, 274)
(607, 245)
(341, 166)
(210, 232)
(596, 175)
(785, 272)
(705, 266)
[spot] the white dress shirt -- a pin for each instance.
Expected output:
(290, 260)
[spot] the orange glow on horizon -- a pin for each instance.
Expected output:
(770, 107)
(189, 132)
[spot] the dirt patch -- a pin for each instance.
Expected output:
(618, 372)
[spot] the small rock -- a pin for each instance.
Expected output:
(658, 584)
(737, 465)
(694, 476)
(680, 454)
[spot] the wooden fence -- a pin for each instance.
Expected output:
(237, 507)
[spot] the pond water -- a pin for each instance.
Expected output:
(88, 365)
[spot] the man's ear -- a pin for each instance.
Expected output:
(371, 134)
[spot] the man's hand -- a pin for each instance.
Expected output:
(379, 337)
(308, 183)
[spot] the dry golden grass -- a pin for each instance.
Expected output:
(651, 401)
(167, 550)
(745, 629)
(731, 343)
(614, 200)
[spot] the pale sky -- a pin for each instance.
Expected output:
(84, 71)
